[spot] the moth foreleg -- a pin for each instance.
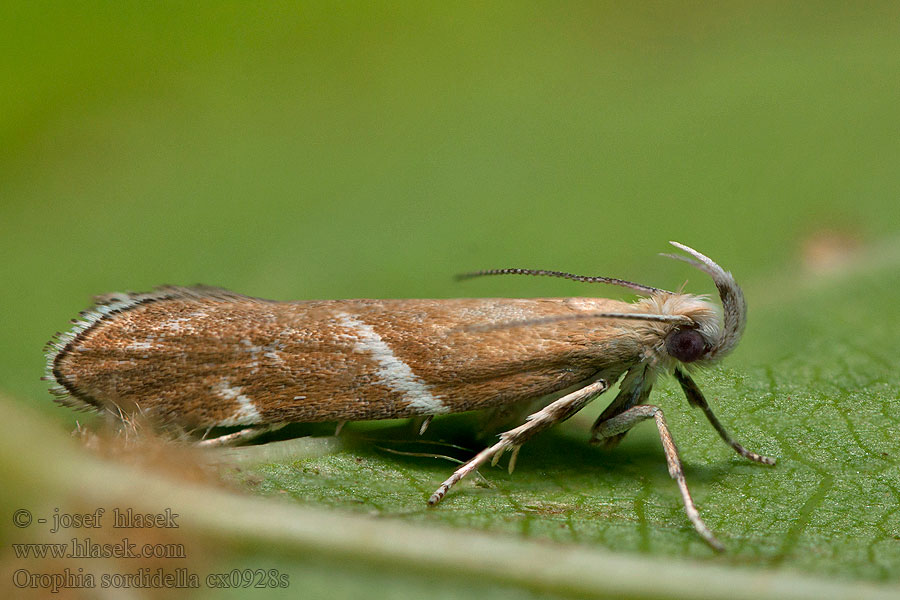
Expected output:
(695, 398)
(636, 414)
(237, 437)
(550, 415)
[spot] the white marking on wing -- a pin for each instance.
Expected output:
(246, 413)
(139, 346)
(392, 371)
(176, 325)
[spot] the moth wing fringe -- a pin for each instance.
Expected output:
(104, 307)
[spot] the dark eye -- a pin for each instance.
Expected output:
(685, 344)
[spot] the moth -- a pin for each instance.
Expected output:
(204, 357)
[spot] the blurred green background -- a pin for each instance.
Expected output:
(357, 149)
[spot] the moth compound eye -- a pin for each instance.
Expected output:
(686, 345)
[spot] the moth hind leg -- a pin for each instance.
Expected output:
(241, 436)
(500, 418)
(512, 440)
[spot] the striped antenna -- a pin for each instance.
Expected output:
(644, 289)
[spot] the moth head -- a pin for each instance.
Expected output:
(697, 334)
(686, 345)
(689, 344)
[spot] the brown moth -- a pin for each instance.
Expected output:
(206, 357)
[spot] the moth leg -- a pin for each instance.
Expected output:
(420, 424)
(243, 435)
(500, 418)
(550, 415)
(695, 398)
(631, 417)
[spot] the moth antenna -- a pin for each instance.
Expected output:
(677, 319)
(734, 307)
(644, 289)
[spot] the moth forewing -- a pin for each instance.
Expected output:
(205, 357)
(211, 360)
